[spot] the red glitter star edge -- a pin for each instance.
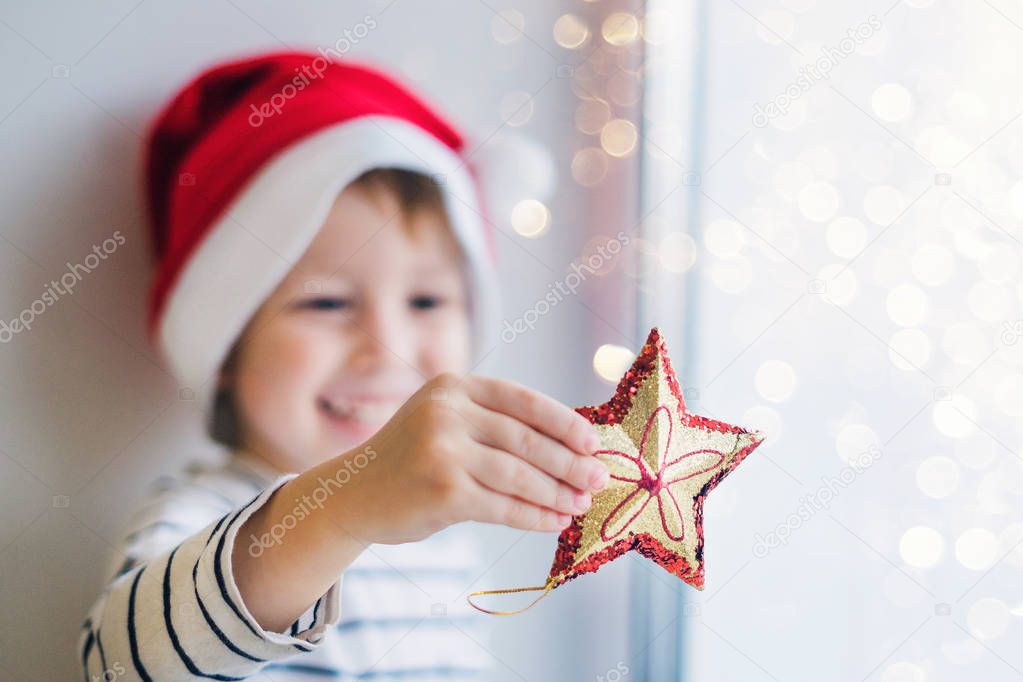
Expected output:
(564, 568)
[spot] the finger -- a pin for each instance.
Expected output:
(500, 431)
(511, 475)
(543, 413)
(490, 506)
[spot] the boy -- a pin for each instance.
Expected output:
(324, 281)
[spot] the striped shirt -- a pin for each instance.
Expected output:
(172, 611)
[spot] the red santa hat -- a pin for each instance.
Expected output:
(243, 166)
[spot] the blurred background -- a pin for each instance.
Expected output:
(821, 208)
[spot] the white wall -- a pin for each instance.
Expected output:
(87, 411)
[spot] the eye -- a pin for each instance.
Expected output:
(328, 303)
(426, 302)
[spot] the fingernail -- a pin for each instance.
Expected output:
(582, 501)
(592, 441)
(599, 478)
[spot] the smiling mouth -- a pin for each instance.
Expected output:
(372, 413)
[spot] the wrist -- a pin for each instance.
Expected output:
(337, 489)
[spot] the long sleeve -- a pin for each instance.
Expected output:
(177, 614)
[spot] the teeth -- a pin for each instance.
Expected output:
(368, 413)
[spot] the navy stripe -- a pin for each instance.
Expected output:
(129, 563)
(102, 654)
(213, 626)
(216, 528)
(307, 669)
(206, 614)
(86, 650)
(294, 627)
(316, 610)
(168, 621)
(132, 640)
(219, 571)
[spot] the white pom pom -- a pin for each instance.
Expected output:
(511, 168)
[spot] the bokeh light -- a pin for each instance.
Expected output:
(977, 549)
(909, 349)
(589, 166)
(570, 31)
(618, 137)
(955, 416)
(921, 546)
(620, 28)
(610, 362)
(530, 218)
(677, 252)
(517, 108)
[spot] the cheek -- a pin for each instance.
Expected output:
(280, 372)
(448, 346)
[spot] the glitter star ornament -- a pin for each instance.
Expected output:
(663, 462)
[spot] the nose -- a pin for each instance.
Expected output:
(383, 337)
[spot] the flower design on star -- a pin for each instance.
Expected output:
(650, 486)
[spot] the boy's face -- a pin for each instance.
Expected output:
(374, 308)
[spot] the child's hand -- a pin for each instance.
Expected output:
(476, 449)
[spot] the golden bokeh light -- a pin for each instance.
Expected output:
(620, 28)
(570, 32)
(618, 137)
